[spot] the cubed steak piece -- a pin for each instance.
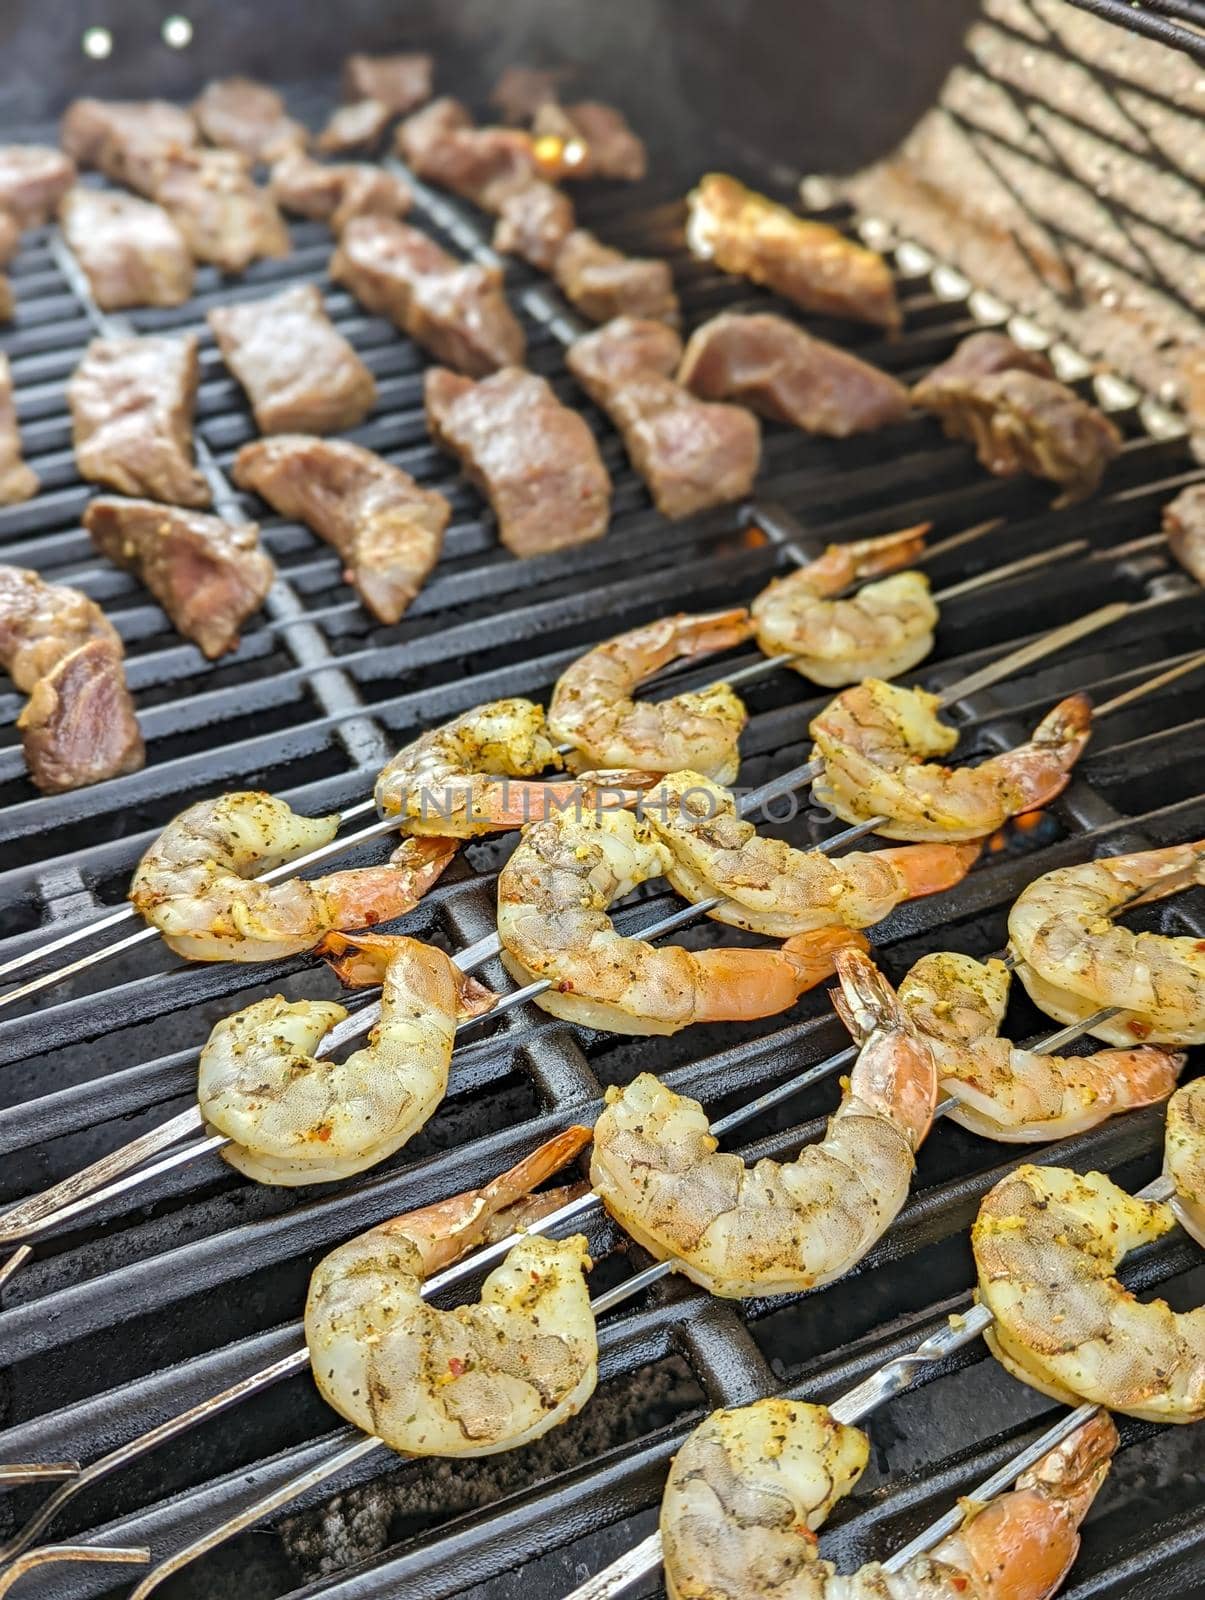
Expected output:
(207, 574)
(33, 179)
(596, 140)
(456, 311)
(240, 114)
(534, 222)
(387, 530)
(534, 460)
(358, 126)
(777, 370)
(17, 481)
(400, 81)
(126, 139)
(299, 372)
(132, 406)
(226, 217)
(335, 192)
(978, 356)
(1184, 524)
(809, 263)
(521, 91)
(604, 283)
(691, 453)
(10, 237)
(131, 251)
(483, 165)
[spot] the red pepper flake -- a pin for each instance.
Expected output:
(323, 1132)
(1138, 1028)
(456, 1366)
(959, 1582)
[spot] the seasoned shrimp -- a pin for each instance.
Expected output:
(771, 888)
(958, 1005)
(553, 921)
(773, 1228)
(879, 632)
(592, 707)
(1076, 960)
(193, 883)
(474, 1380)
(463, 779)
(1047, 1243)
(873, 740)
(1184, 1156)
(749, 1487)
(298, 1120)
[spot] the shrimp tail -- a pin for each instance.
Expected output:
(473, 999)
(932, 868)
(708, 635)
(815, 955)
(1075, 1469)
(360, 959)
(873, 558)
(867, 1001)
(422, 859)
(524, 1213)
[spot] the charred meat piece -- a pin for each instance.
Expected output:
(297, 368)
(207, 574)
(774, 368)
(593, 141)
(240, 114)
(10, 237)
(456, 311)
(691, 453)
(400, 82)
(604, 283)
(358, 126)
(126, 139)
(1184, 524)
(521, 91)
(534, 221)
(978, 356)
(387, 530)
(131, 406)
(485, 165)
(17, 481)
(131, 251)
(8, 302)
(809, 263)
(336, 192)
(535, 460)
(40, 623)
(33, 179)
(225, 216)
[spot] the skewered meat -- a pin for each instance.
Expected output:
(400, 82)
(297, 368)
(336, 192)
(521, 91)
(809, 263)
(240, 114)
(131, 251)
(33, 179)
(778, 370)
(482, 164)
(17, 481)
(604, 283)
(691, 453)
(10, 237)
(359, 126)
(978, 356)
(59, 648)
(534, 221)
(595, 141)
(126, 139)
(207, 574)
(226, 217)
(1184, 524)
(387, 530)
(535, 460)
(131, 406)
(456, 311)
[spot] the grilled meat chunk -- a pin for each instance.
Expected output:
(58, 647)
(535, 460)
(17, 481)
(131, 251)
(456, 311)
(227, 218)
(126, 139)
(534, 221)
(131, 406)
(240, 114)
(335, 192)
(358, 126)
(604, 283)
(207, 574)
(10, 237)
(691, 453)
(387, 530)
(521, 91)
(777, 370)
(595, 141)
(8, 303)
(809, 263)
(978, 356)
(299, 372)
(33, 179)
(485, 165)
(400, 82)
(1184, 524)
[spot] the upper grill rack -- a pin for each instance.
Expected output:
(124, 1321)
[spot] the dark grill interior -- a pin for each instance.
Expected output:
(197, 1280)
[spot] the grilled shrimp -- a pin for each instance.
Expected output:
(1184, 1156)
(873, 740)
(958, 1005)
(592, 707)
(553, 921)
(474, 1380)
(463, 778)
(298, 1120)
(773, 1228)
(1047, 1243)
(748, 1487)
(879, 632)
(1075, 960)
(771, 888)
(192, 884)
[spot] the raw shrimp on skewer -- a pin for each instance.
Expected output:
(193, 883)
(554, 923)
(593, 710)
(1073, 959)
(774, 1228)
(874, 741)
(295, 1119)
(749, 1487)
(1184, 1156)
(474, 1380)
(769, 887)
(879, 632)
